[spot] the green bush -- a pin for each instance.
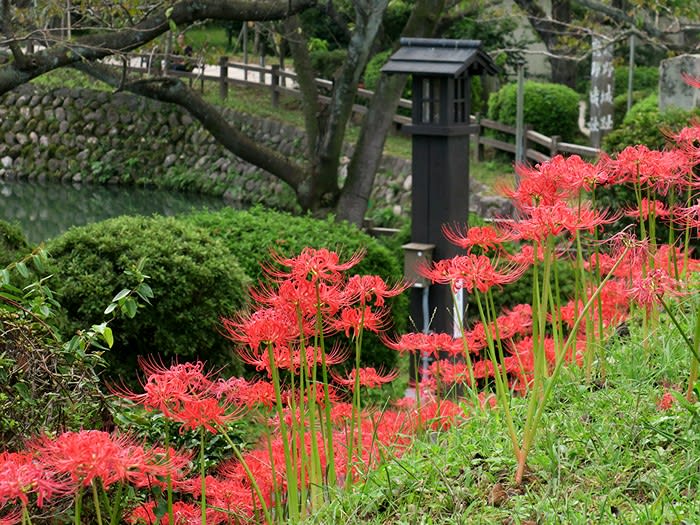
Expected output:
(194, 277)
(551, 109)
(620, 106)
(251, 234)
(643, 125)
(13, 243)
(327, 63)
(646, 78)
(373, 69)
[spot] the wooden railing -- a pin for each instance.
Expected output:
(280, 81)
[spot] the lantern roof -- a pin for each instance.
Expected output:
(440, 57)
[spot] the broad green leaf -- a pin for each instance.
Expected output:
(22, 269)
(110, 308)
(108, 337)
(129, 307)
(121, 295)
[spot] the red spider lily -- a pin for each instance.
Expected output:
(648, 207)
(546, 220)
(687, 140)
(305, 297)
(449, 372)
(369, 377)
(470, 272)
(689, 216)
(232, 497)
(315, 265)
(368, 289)
(484, 237)
(691, 80)
(274, 326)
(248, 393)
(184, 393)
(526, 255)
(666, 401)
(184, 513)
(11, 518)
(612, 308)
(648, 291)
(538, 186)
(578, 174)
(665, 258)
(659, 170)
(159, 465)
(440, 415)
(287, 358)
(434, 344)
(90, 454)
(22, 474)
(355, 319)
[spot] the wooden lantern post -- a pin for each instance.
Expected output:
(440, 126)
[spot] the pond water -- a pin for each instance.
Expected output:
(45, 210)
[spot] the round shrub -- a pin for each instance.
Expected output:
(551, 109)
(250, 235)
(194, 277)
(643, 125)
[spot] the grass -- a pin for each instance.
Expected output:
(606, 455)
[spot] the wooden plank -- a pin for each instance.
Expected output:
(498, 126)
(539, 138)
(576, 149)
(536, 155)
(498, 144)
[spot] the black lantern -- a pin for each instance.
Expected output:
(441, 78)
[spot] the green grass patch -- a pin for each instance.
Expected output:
(606, 454)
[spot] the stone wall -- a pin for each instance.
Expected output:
(82, 135)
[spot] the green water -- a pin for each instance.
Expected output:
(45, 210)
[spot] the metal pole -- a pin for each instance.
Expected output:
(630, 74)
(519, 115)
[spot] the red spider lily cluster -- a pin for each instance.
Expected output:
(320, 434)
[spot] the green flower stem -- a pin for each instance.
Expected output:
(502, 393)
(534, 416)
(96, 502)
(356, 419)
(331, 474)
(465, 349)
(253, 482)
(78, 504)
(202, 475)
(692, 347)
(291, 473)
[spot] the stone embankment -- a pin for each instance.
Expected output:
(88, 136)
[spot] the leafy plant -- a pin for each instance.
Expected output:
(551, 109)
(194, 277)
(251, 235)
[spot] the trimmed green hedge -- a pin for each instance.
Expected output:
(250, 235)
(643, 125)
(551, 109)
(194, 277)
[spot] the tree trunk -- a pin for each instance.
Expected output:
(367, 156)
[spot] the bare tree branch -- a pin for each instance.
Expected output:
(96, 46)
(172, 90)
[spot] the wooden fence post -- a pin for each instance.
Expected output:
(477, 139)
(223, 78)
(274, 85)
(554, 148)
(526, 129)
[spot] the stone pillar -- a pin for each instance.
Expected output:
(601, 94)
(673, 91)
